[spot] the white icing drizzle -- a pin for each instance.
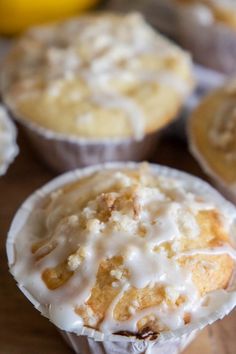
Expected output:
(136, 228)
(214, 251)
(167, 79)
(8, 147)
(134, 112)
(105, 52)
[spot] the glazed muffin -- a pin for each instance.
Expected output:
(212, 130)
(96, 78)
(94, 89)
(127, 250)
(8, 146)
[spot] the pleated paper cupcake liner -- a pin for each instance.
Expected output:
(8, 145)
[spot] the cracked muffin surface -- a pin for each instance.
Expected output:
(126, 251)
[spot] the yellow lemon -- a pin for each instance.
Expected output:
(17, 15)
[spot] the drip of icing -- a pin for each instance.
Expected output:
(211, 302)
(227, 249)
(165, 78)
(65, 314)
(148, 215)
(134, 112)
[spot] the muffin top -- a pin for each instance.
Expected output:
(97, 76)
(133, 251)
(8, 147)
(218, 10)
(213, 132)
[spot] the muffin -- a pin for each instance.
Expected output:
(208, 29)
(126, 252)
(8, 146)
(212, 129)
(95, 88)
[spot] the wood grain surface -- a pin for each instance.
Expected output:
(22, 329)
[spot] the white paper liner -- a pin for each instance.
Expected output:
(86, 345)
(192, 183)
(228, 190)
(8, 146)
(64, 152)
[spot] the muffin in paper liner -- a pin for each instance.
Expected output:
(8, 146)
(212, 43)
(211, 130)
(170, 340)
(95, 89)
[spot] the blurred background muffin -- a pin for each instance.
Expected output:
(208, 29)
(212, 130)
(96, 81)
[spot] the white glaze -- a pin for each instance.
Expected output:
(174, 195)
(227, 249)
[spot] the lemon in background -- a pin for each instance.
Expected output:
(17, 15)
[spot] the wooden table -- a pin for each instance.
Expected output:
(22, 329)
